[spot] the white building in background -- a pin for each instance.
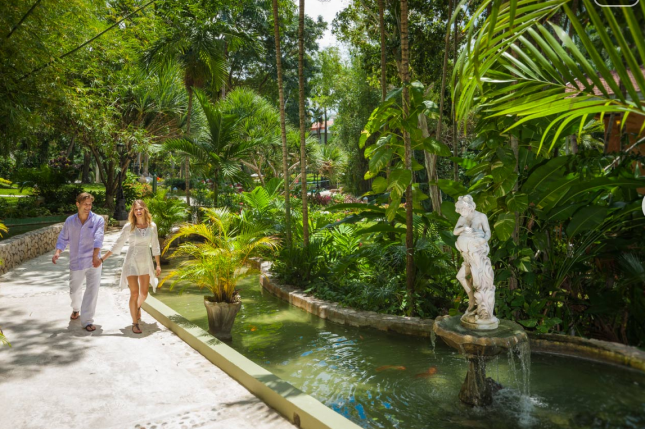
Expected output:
(318, 129)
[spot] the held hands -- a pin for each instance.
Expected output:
(96, 262)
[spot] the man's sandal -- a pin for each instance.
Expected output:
(75, 315)
(136, 325)
(90, 328)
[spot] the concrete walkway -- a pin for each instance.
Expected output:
(57, 375)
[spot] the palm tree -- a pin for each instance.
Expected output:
(381, 24)
(431, 160)
(199, 52)
(330, 161)
(285, 154)
(301, 96)
(524, 64)
(409, 235)
(221, 260)
(224, 143)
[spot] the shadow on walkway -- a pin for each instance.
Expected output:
(37, 345)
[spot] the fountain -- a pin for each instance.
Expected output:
(477, 334)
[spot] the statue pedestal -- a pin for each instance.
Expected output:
(484, 325)
(479, 346)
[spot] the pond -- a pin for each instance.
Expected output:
(381, 380)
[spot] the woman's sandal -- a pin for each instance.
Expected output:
(136, 325)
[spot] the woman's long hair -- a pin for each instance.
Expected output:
(146, 214)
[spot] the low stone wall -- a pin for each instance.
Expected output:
(603, 351)
(338, 314)
(16, 250)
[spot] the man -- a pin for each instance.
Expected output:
(84, 234)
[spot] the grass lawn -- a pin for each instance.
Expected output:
(15, 191)
(89, 187)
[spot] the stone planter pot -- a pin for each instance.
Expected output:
(221, 316)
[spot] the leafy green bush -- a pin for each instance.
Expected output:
(166, 211)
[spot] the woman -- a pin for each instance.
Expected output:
(138, 273)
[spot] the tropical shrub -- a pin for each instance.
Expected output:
(362, 265)
(220, 259)
(166, 211)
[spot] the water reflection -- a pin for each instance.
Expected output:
(382, 380)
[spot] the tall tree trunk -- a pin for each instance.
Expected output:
(187, 161)
(435, 195)
(146, 160)
(515, 147)
(70, 148)
(409, 237)
(455, 125)
(97, 175)
(301, 90)
(283, 131)
(325, 117)
(215, 187)
(381, 12)
(87, 159)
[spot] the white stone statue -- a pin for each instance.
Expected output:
(476, 273)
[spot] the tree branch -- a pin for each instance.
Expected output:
(23, 18)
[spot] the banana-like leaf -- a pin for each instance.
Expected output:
(504, 226)
(585, 219)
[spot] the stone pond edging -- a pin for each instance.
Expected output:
(16, 250)
(336, 313)
(603, 351)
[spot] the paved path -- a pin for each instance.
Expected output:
(57, 375)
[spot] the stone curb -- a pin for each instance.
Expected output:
(296, 406)
(345, 316)
(602, 351)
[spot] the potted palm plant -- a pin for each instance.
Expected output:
(218, 262)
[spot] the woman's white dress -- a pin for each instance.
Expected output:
(137, 259)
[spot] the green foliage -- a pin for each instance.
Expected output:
(386, 122)
(221, 259)
(359, 261)
(166, 211)
(538, 71)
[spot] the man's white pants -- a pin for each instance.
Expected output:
(85, 302)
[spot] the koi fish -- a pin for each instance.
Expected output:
(429, 373)
(384, 367)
